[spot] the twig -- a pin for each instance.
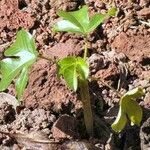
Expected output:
(104, 83)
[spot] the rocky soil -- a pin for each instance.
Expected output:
(51, 115)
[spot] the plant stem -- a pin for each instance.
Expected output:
(87, 110)
(85, 47)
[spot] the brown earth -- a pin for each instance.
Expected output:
(119, 54)
(135, 47)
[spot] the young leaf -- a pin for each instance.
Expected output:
(65, 25)
(129, 108)
(134, 93)
(95, 21)
(22, 54)
(78, 21)
(79, 18)
(120, 121)
(72, 68)
(134, 112)
(70, 76)
(22, 82)
(112, 11)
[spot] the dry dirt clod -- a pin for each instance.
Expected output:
(28, 120)
(62, 50)
(145, 135)
(12, 17)
(144, 2)
(8, 104)
(64, 128)
(78, 145)
(96, 62)
(108, 74)
(144, 13)
(66, 5)
(45, 90)
(7, 113)
(135, 47)
(11, 100)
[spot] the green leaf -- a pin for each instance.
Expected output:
(112, 12)
(82, 68)
(70, 76)
(120, 121)
(73, 68)
(22, 54)
(78, 21)
(134, 93)
(22, 82)
(79, 18)
(134, 112)
(95, 21)
(66, 26)
(130, 109)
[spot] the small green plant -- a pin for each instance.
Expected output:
(129, 110)
(75, 70)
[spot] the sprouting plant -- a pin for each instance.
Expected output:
(75, 70)
(129, 110)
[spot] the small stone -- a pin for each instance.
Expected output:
(78, 145)
(96, 62)
(144, 13)
(146, 101)
(144, 2)
(144, 83)
(64, 128)
(46, 131)
(66, 5)
(145, 135)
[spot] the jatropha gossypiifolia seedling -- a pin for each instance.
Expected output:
(75, 70)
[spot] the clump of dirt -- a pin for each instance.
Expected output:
(144, 13)
(145, 134)
(38, 119)
(66, 5)
(110, 73)
(45, 90)
(12, 17)
(65, 128)
(97, 62)
(7, 113)
(63, 49)
(135, 47)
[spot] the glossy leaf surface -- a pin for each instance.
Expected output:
(72, 68)
(78, 21)
(19, 56)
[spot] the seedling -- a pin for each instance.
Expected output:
(129, 110)
(76, 70)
